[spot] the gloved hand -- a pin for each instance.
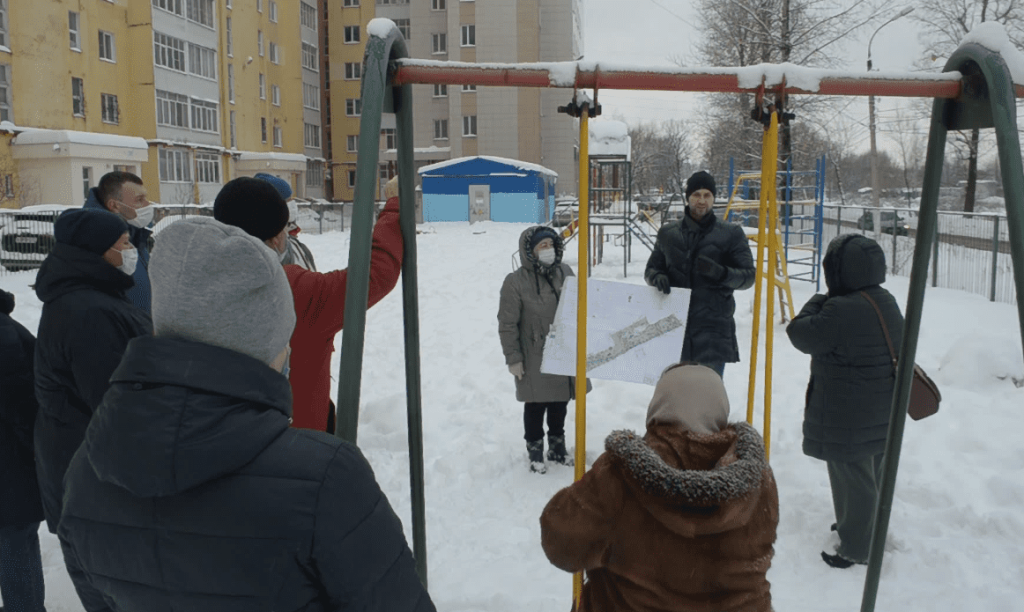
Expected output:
(660, 282)
(391, 189)
(711, 269)
(516, 369)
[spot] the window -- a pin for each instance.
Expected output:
(171, 109)
(204, 115)
(353, 71)
(5, 93)
(311, 96)
(403, 27)
(469, 89)
(227, 33)
(8, 186)
(352, 143)
(278, 136)
(393, 2)
(227, 3)
(259, 42)
(263, 129)
(309, 57)
(231, 83)
(168, 52)
(275, 54)
(440, 129)
(263, 87)
(438, 5)
(312, 135)
(351, 3)
(388, 136)
(351, 34)
(352, 179)
(175, 166)
(439, 43)
(3, 24)
(440, 91)
(202, 61)
(76, 38)
(77, 97)
(469, 36)
(273, 11)
(107, 47)
(86, 180)
(231, 123)
(201, 12)
(469, 125)
(208, 167)
(275, 95)
(314, 174)
(353, 107)
(108, 107)
(259, 7)
(308, 16)
(171, 6)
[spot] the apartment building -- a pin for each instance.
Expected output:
(186, 93)
(458, 121)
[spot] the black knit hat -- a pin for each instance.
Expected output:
(253, 205)
(541, 233)
(89, 229)
(700, 180)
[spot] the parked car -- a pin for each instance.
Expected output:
(566, 211)
(26, 235)
(889, 220)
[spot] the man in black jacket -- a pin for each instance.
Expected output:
(712, 259)
(191, 491)
(21, 566)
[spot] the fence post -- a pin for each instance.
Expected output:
(935, 251)
(895, 231)
(995, 258)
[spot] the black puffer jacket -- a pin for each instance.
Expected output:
(19, 490)
(191, 492)
(710, 327)
(86, 324)
(849, 397)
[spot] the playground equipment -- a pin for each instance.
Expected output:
(982, 96)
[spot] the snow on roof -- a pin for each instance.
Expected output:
(992, 35)
(527, 166)
(265, 156)
(191, 145)
(41, 136)
(609, 137)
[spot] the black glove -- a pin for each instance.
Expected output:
(711, 269)
(660, 282)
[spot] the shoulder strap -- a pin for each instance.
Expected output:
(885, 329)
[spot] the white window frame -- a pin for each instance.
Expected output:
(207, 168)
(314, 173)
(469, 126)
(438, 5)
(259, 42)
(469, 89)
(205, 115)
(405, 27)
(75, 31)
(170, 52)
(202, 61)
(201, 12)
(229, 44)
(227, 3)
(353, 71)
(263, 86)
(175, 165)
(440, 90)
(275, 95)
(107, 47)
(310, 57)
(440, 129)
(4, 26)
(275, 53)
(469, 35)
(349, 3)
(232, 127)
(6, 103)
(390, 138)
(172, 109)
(439, 43)
(273, 11)
(231, 83)
(263, 130)
(351, 179)
(259, 8)
(308, 16)
(351, 35)
(353, 107)
(278, 137)
(352, 143)
(78, 99)
(311, 135)
(109, 109)
(310, 96)
(174, 7)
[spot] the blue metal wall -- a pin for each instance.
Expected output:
(517, 195)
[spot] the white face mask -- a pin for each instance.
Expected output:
(143, 217)
(129, 260)
(546, 257)
(282, 255)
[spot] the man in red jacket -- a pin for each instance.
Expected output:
(256, 207)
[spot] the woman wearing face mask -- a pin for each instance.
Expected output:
(529, 299)
(86, 324)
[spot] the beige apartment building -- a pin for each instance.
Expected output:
(457, 121)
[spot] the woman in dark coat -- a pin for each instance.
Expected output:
(849, 396)
(86, 324)
(21, 567)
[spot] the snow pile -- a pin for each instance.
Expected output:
(515, 163)
(609, 137)
(992, 35)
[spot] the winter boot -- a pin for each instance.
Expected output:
(557, 452)
(536, 451)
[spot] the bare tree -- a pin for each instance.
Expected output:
(906, 131)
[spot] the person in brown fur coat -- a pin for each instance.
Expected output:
(682, 519)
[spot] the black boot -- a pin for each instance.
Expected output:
(536, 451)
(557, 452)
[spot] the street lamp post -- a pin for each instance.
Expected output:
(871, 113)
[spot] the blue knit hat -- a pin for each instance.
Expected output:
(89, 229)
(541, 233)
(279, 183)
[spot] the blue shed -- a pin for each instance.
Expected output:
(486, 188)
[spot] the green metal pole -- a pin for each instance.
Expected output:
(995, 259)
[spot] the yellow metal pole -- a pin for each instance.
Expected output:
(759, 279)
(769, 162)
(581, 322)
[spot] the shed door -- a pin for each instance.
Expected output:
(479, 203)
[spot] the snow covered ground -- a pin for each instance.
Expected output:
(958, 516)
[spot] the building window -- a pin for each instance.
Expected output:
(201, 12)
(391, 2)
(204, 115)
(469, 89)
(168, 52)
(438, 5)
(273, 11)
(263, 87)
(352, 179)
(314, 174)
(469, 36)
(171, 6)
(259, 5)
(312, 135)
(278, 136)
(275, 95)
(469, 125)
(353, 107)
(107, 48)
(440, 91)
(108, 104)
(3, 23)
(208, 168)
(308, 16)
(404, 28)
(388, 136)
(86, 180)
(175, 166)
(353, 71)
(351, 3)
(76, 37)
(309, 57)
(440, 129)
(227, 3)
(77, 97)
(227, 33)
(259, 42)
(202, 61)
(5, 93)
(8, 186)
(351, 34)
(231, 83)
(310, 96)
(352, 143)
(438, 43)
(275, 53)
(263, 130)
(171, 109)
(231, 122)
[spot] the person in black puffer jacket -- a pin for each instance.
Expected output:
(21, 568)
(849, 396)
(712, 259)
(191, 491)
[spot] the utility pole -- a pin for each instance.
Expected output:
(871, 115)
